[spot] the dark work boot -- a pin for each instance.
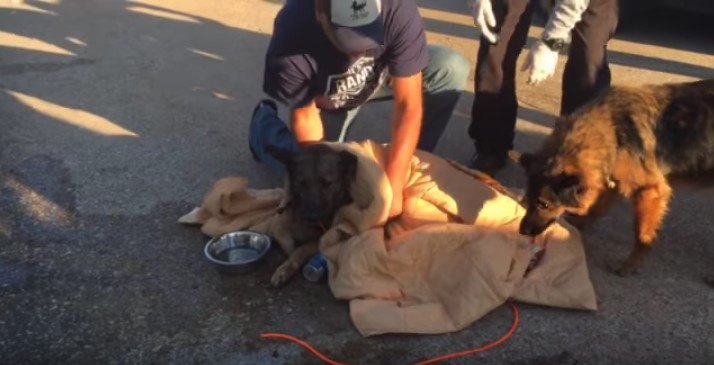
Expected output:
(489, 163)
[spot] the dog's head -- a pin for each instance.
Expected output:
(550, 193)
(319, 180)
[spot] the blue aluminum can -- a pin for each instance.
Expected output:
(315, 269)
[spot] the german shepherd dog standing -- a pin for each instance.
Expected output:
(627, 143)
(318, 185)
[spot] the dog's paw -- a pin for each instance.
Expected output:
(634, 262)
(282, 275)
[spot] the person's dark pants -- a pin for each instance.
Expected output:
(586, 74)
(443, 80)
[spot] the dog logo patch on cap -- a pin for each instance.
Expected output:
(358, 10)
(355, 13)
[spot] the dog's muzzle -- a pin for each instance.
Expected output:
(527, 230)
(532, 229)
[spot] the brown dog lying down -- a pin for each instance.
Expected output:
(318, 184)
(626, 143)
(328, 196)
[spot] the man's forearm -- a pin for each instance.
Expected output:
(405, 135)
(306, 124)
(406, 126)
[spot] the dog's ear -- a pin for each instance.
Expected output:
(348, 163)
(280, 154)
(569, 190)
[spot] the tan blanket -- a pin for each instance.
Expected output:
(453, 255)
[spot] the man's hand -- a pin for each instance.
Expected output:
(406, 125)
(482, 12)
(540, 63)
(306, 124)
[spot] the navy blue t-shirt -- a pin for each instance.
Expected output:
(302, 64)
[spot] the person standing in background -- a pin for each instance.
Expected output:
(504, 28)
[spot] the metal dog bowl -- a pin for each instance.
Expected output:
(237, 252)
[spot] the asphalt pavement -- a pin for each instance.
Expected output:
(116, 116)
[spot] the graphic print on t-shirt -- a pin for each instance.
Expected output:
(354, 87)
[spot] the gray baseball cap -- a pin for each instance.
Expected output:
(356, 25)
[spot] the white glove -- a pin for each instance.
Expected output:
(541, 62)
(482, 11)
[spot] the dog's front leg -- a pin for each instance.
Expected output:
(650, 207)
(602, 204)
(295, 260)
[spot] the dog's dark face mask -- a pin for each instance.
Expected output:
(547, 196)
(319, 181)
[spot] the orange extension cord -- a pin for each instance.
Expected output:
(506, 336)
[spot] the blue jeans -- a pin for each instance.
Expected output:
(443, 80)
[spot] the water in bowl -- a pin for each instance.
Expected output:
(237, 254)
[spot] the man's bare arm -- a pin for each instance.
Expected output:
(406, 126)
